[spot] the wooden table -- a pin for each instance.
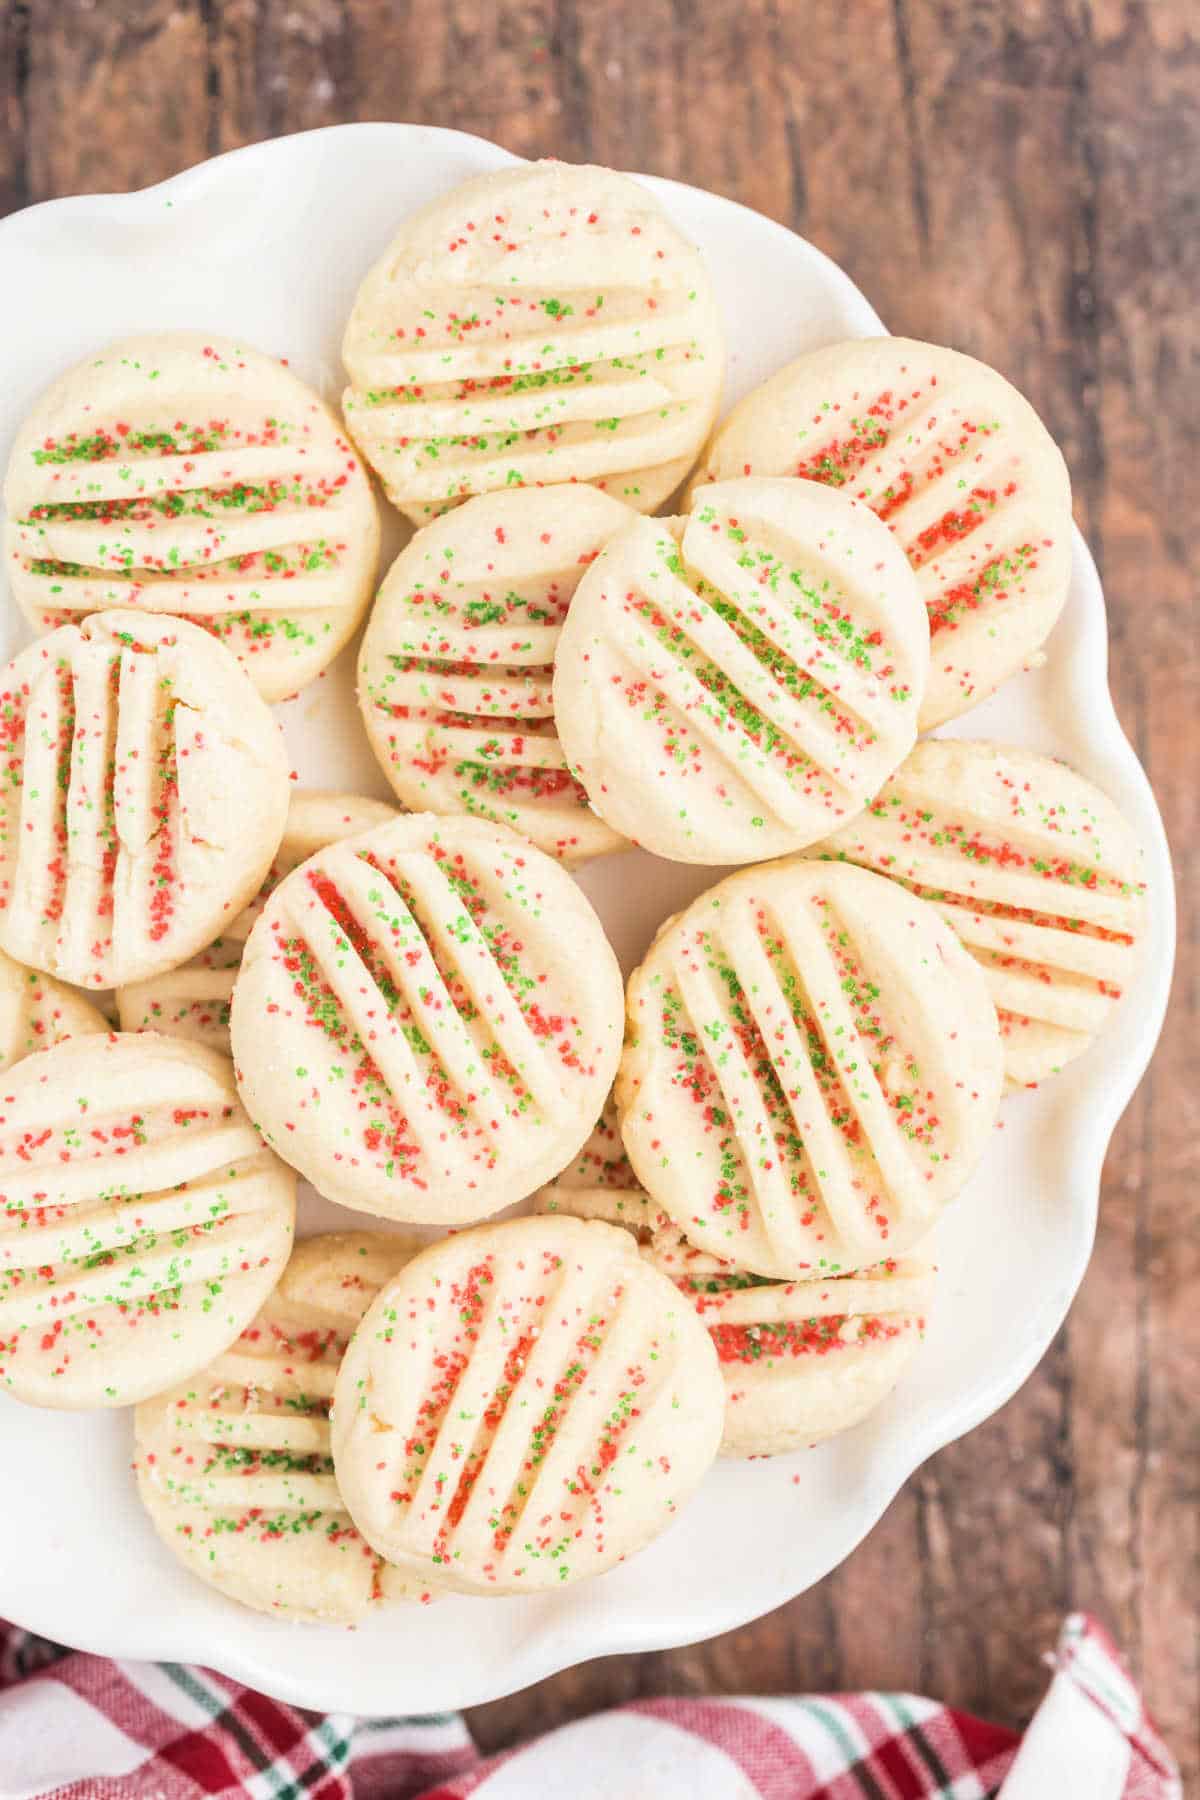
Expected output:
(1016, 177)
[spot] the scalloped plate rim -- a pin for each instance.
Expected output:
(540, 1652)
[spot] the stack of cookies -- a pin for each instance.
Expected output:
(728, 1166)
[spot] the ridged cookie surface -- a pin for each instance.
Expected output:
(956, 462)
(194, 1000)
(801, 1360)
(730, 685)
(523, 1406)
(142, 1222)
(191, 475)
(455, 672)
(234, 1464)
(546, 323)
(427, 1019)
(1037, 872)
(146, 794)
(812, 1068)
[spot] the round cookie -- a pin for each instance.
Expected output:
(545, 323)
(1037, 872)
(801, 1360)
(143, 1222)
(190, 475)
(812, 1069)
(961, 468)
(427, 1019)
(732, 685)
(193, 1001)
(234, 1465)
(145, 795)
(37, 1012)
(524, 1406)
(455, 671)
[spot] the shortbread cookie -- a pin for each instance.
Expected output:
(234, 1464)
(801, 1360)
(545, 323)
(37, 1012)
(193, 1001)
(427, 1019)
(958, 464)
(812, 1068)
(731, 685)
(146, 793)
(1037, 872)
(191, 475)
(523, 1406)
(143, 1223)
(456, 665)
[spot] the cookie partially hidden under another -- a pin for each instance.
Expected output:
(959, 466)
(801, 1360)
(234, 1466)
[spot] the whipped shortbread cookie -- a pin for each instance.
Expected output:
(455, 671)
(544, 323)
(960, 467)
(524, 1405)
(142, 1221)
(812, 1069)
(732, 684)
(427, 1019)
(801, 1360)
(234, 1464)
(187, 474)
(37, 1012)
(193, 1001)
(1037, 872)
(146, 794)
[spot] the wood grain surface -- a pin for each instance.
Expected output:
(1018, 178)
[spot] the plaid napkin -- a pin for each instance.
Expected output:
(80, 1728)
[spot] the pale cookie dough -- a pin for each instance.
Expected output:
(194, 1001)
(960, 467)
(812, 1069)
(545, 323)
(523, 1406)
(734, 684)
(1037, 872)
(427, 1019)
(455, 671)
(142, 1223)
(801, 1360)
(234, 1464)
(146, 793)
(37, 1012)
(191, 475)
(602, 1163)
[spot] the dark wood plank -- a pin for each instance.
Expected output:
(1017, 179)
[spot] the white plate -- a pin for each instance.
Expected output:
(270, 243)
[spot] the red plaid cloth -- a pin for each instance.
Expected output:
(79, 1728)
